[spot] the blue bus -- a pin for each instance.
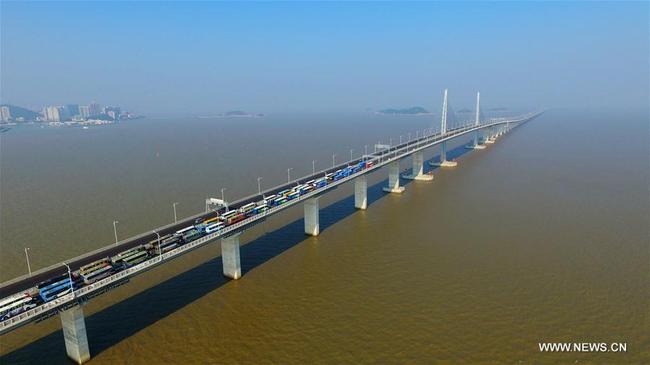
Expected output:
(53, 288)
(320, 183)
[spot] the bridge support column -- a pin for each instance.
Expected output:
(443, 157)
(230, 256)
(74, 333)
(312, 226)
(418, 168)
(475, 145)
(361, 192)
(489, 135)
(393, 179)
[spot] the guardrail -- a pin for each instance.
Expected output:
(381, 158)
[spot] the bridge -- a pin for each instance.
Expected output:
(69, 305)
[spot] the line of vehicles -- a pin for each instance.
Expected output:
(59, 286)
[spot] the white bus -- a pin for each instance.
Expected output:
(214, 227)
(247, 208)
(96, 270)
(15, 304)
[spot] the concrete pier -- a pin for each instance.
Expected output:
(230, 256)
(489, 136)
(393, 179)
(74, 333)
(418, 168)
(312, 226)
(361, 192)
(475, 145)
(443, 157)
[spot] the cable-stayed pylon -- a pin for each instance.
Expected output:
(477, 122)
(443, 130)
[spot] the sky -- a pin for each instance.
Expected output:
(164, 58)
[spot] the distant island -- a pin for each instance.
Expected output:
(416, 110)
(234, 114)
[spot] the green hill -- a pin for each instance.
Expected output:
(18, 112)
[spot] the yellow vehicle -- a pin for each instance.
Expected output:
(211, 220)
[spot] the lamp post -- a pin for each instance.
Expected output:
(70, 277)
(29, 268)
(159, 246)
(223, 198)
(351, 151)
(289, 174)
(333, 159)
(174, 207)
(115, 230)
(313, 167)
(400, 139)
(259, 185)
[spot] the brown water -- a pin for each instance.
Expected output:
(542, 237)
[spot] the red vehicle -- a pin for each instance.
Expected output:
(233, 216)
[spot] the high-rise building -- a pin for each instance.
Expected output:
(51, 114)
(73, 109)
(94, 109)
(5, 113)
(84, 111)
(64, 114)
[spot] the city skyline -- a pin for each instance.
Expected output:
(183, 61)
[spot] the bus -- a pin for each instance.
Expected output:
(167, 242)
(15, 304)
(320, 183)
(293, 194)
(306, 188)
(130, 257)
(284, 192)
(191, 235)
(262, 206)
(338, 175)
(201, 227)
(232, 217)
(180, 232)
(211, 228)
(211, 220)
(269, 199)
(55, 287)
(97, 270)
(279, 200)
(246, 209)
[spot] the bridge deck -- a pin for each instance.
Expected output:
(381, 158)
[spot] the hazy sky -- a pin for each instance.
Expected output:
(179, 57)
